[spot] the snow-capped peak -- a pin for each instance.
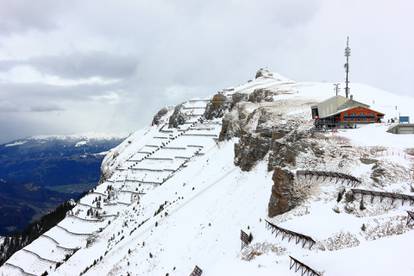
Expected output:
(80, 136)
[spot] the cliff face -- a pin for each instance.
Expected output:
(250, 150)
(283, 197)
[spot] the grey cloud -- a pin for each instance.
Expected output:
(41, 91)
(7, 106)
(79, 65)
(20, 15)
(46, 108)
(6, 65)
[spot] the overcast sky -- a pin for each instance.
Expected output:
(107, 66)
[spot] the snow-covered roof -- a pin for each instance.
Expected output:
(337, 104)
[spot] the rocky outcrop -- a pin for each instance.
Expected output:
(282, 155)
(238, 97)
(267, 127)
(284, 152)
(341, 240)
(262, 130)
(283, 197)
(217, 107)
(265, 73)
(249, 150)
(261, 95)
(177, 118)
(157, 117)
(378, 173)
(230, 127)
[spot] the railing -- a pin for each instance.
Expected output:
(410, 217)
(196, 271)
(325, 174)
(291, 234)
(382, 195)
(305, 269)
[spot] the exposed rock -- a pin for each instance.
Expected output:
(238, 97)
(265, 73)
(387, 226)
(284, 152)
(261, 95)
(340, 241)
(282, 155)
(377, 173)
(217, 107)
(283, 197)
(267, 128)
(230, 127)
(410, 151)
(264, 123)
(278, 134)
(177, 118)
(368, 161)
(158, 116)
(318, 151)
(257, 249)
(249, 150)
(235, 121)
(297, 136)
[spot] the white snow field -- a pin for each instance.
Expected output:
(172, 199)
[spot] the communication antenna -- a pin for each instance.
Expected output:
(336, 88)
(347, 55)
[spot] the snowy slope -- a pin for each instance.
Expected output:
(172, 198)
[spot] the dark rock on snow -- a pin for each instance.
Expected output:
(283, 197)
(230, 128)
(177, 118)
(281, 155)
(238, 97)
(249, 150)
(261, 95)
(158, 116)
(217, 107)
(265, 73)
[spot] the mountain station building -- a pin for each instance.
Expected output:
(343, 112)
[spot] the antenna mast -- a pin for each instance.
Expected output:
(336, 88)
(347, 55)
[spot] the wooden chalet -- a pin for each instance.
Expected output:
(340, 111)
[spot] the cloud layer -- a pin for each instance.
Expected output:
(109, 65)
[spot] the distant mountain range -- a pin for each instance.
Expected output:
(39, 173)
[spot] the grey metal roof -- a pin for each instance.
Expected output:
(335, 104)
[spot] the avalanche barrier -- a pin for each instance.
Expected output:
(290, 234)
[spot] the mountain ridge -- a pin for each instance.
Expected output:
(172, 198)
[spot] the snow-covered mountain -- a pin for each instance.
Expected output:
(176, 195)
(81, 138)
(39, 173)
